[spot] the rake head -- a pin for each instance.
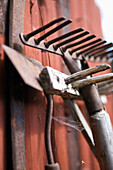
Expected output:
(71, 43)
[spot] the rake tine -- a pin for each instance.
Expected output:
(99, 49)
(92, 80)
(103, 54)
(27, 36)
(48, 43)
(98, 52)
(82, 74)
(83, 46)
(105, 87)
(70, 40)
(83, 51)
(102, 84)
(111, 56)
(37, 41)
(78, 43)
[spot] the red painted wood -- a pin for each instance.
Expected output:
(87, 15)
(84, 14)
(2, 109)
(35, 106)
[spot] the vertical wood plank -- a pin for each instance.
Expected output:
(16, 25)
(2, 88)
(43, 12)
(2, 109)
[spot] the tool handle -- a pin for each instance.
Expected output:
(54, 166)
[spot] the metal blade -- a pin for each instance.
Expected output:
(29, 69)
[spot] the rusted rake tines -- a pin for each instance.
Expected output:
(76, 38)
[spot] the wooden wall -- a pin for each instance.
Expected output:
(70, 155)
(70, 148)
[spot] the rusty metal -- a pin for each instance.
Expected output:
(104, 54)
(105, 88)
(38, 40)
(99, 49)
(92, 80)
(93, 103)
(70, 40)
(78, 43)
(81, 74)
(83, 46)
(49, 46)
(41, 46)
(48, 43)
(53, 82)
(54, 75)
(52, 167)
(28, 69)
(109, 57)
(48, 129)
(81, 52)
(27, 36)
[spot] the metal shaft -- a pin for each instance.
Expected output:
(79, 42)
(99, 49)
(38, 40)
(84, 46)
(88, 49)
(48, 43)
(27, 36)
(48, 129)
(104, 53)
(100, 121)
(70, 40)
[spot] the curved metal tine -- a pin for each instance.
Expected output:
(37, 41)
(27, 36)
(48, 43)
(70, 40)
(89, 71)
(78, 43)
(100, 48)
(111, 56)
(86, 45)
(83, 51)
(103, 54)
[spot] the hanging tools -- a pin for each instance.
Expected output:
(63, 46)
(100, 121)
(29, 70)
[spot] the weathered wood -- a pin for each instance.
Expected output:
(82, 74)
(92, 80)
(103, 133)
(53, 82)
